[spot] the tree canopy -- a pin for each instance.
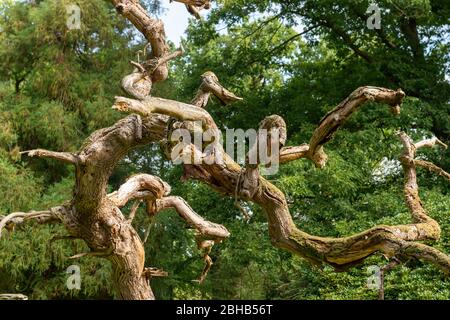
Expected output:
(297, 59)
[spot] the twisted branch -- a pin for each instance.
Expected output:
(156, 192)
(18, 218)
(339, 252)
(95, 217)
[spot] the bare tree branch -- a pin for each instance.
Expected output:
(339, 252)
(17, 218)
(13, 296)
(195, 6)
(210, 85)
(61, 156)
(135, 188)
(432, 167)
(391, 265)
(95, 216)
(154, 272)
(133, 211)
(430, 143)
(288, 154)
(335, 118)
(209, 233)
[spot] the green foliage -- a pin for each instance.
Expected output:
(58, 86)
(55, 90)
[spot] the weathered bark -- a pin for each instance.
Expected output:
(95, 217)
(195, 6)
(12, 296)
(334, 119)
(391, 265)
(152, 29)
(339, 252)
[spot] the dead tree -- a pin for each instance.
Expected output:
(95, 216)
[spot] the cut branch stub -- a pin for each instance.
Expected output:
(211, 85)
(66, 157)
(272, 135)
(194, 6)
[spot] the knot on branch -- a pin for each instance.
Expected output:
(121, 8)
(247, 184)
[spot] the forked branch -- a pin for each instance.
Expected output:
(95, 217)
(339, 252)
(156, 192)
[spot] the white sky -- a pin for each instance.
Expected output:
(175, 20)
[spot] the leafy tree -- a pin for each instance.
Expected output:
(58, 90)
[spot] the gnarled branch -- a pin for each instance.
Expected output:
(210, 85)
(156, 192)
(95, 217)
(335, 118)
(194, 6)
(17, 218)
(138, 187)
(66, 157)
(339, 252)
